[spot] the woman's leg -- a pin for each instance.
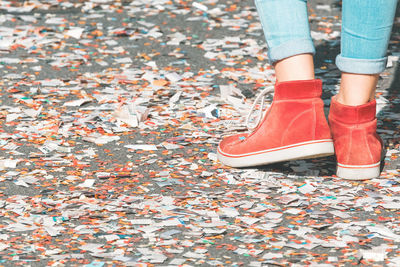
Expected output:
(366, 28)
(294, 127)
(287, 32)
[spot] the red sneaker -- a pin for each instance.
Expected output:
(294, 127)
(358, 147)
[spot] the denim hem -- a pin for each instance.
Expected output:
(291, 48)
(361, 66)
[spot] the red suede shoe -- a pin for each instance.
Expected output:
(358, 147)
(294, 127)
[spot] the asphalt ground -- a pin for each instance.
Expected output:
(81, 203)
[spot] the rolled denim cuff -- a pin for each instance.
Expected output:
(361, 66)
(290, 48)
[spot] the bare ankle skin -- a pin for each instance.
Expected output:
(298, 67)
(357, 89)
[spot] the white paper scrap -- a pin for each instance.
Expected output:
(87, 183)
(200, 6)
(306, 188)
(75, 32)
(142, 147)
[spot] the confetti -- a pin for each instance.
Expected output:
(111, 115)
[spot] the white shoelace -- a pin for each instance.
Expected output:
(261, 96)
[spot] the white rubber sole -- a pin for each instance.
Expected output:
(358, 172)
(311, 149)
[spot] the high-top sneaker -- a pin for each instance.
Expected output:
(358, 147)
(294, 127)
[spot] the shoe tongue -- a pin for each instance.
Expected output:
(298, 89)
(353, 114)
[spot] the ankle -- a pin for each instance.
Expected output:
(353, 100)
(295, 68)
(357, 89)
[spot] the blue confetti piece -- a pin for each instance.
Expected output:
(95, 264)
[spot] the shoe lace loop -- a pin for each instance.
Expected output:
(261, 96)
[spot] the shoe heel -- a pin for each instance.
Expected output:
(360, 172)
(316, 150)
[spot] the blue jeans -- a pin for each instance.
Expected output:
(366, 27)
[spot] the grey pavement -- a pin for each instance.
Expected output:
(111, 112)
